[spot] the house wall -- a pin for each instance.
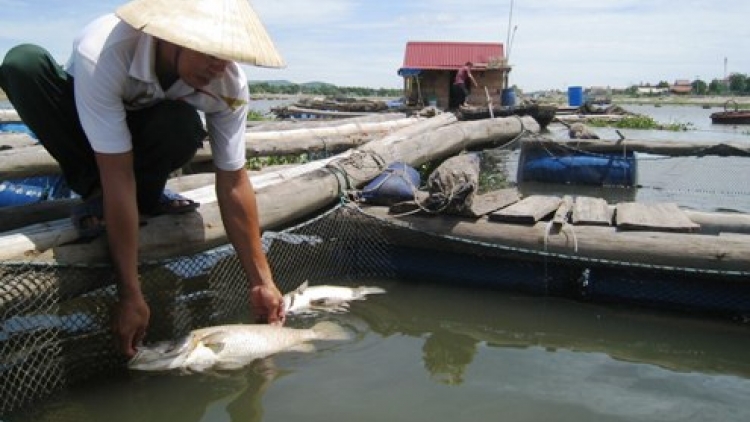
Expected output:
(436, 84)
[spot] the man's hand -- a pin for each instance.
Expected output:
(267, 304)
(129, 323)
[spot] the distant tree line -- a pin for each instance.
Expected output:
(736, 84)
(322, 89)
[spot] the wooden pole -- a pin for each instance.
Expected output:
(489, 103)
(9, 115)
(35, 161)
(668, 148)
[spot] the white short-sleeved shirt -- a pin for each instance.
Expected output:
(113, 65)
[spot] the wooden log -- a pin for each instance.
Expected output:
(26, 162)
(290, 110)
(657, 147)
(17, 216)
(16, 140)
(669, 249)
(280, 148)
(277, 125)
(331, 130)
(34, 161)
(9, 115)
(282, 197)
(719, 222)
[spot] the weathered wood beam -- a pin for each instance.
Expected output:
(9, 115)
(34, 160)
(668, 148)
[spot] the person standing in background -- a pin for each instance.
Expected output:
(462, 77)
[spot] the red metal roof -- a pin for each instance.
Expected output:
(451, 55)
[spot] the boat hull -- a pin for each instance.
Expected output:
(731, 118)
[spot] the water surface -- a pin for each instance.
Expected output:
(426, 352)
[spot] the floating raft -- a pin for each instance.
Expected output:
(657, 234)
(282, 198)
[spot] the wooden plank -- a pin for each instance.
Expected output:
(528, 211)
(652, 146)
(592, 211)
(561, 215)
(492, 201)
(658, 217)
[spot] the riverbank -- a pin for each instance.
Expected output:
(672, 100)
(697, 100)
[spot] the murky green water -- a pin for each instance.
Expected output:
(432, 353)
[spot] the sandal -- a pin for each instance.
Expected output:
(88, 217)
(172, 202)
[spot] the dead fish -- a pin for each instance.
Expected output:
(308, 299)
(227, 347)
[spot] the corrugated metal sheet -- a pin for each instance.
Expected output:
(451, 55)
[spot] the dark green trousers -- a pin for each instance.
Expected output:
(165, 136)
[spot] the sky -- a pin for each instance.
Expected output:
(553, 43)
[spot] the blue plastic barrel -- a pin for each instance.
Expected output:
(578, 168)
(15, 127)
(508, 97)
(575, 96)
(33, 189)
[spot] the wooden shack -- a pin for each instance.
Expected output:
(430, 67)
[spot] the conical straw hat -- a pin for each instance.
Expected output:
(227, 29)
